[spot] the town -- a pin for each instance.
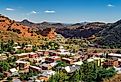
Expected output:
(60, 41)
(39, 65)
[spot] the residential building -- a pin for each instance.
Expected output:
(14, 72)
(45, 66)
(46, 75)
(43, 52)
(17, 48)
(48, 66)
(35, 68)
(71, 69)
(111, 63)
(67, 60)
(78, 63)
(53, 53)
(28, 47)
(52, 59)
(114, 55)
(22, 56)
(33, 55)
(22, 65)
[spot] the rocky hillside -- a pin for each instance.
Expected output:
(111, 36)
(12, 30)
(77, 30)
(84, 30)
(7, 24)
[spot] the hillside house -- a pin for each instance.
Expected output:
(33, 55)
(111, 63)
(67, 60)
(22, 65)
(71, 69)
(62, 51)
(22, 56)
(35, 68)
(28, 47)
(52, 59)
(46, 75)
(43, 52)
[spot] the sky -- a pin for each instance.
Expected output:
(64, 11)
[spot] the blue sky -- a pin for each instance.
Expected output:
(66, 11)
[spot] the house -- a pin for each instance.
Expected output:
(27, 55)
(114, 55)
(72, 68)
(28, 47)
(35, 68)
(45, 66)
(111, 63)
(14, 72)
(43, 52)
(76, 58)
(78, 63)
(67, 60)
(62, 51)
(90, 60)
(7, 74)
(52, 59)
(17, 48)
(22, 56)
(37, 60)
(84, 57)
(33, 55)
(22, 65)
(46, 75)
(43, 78)
(40, 53)
(53, 53)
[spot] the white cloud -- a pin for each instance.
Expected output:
(9, 9)
(32, 12)
(110, 5)
(49, 11)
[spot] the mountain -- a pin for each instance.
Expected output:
(7, 24)
(81, 30)
(21, 32)
(77, 30)
(111, 36)
(41, 26)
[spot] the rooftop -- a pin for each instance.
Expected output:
(18, 61)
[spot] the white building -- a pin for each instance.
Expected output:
(62, 51)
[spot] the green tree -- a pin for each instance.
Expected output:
(52, 45)
(5, 65)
